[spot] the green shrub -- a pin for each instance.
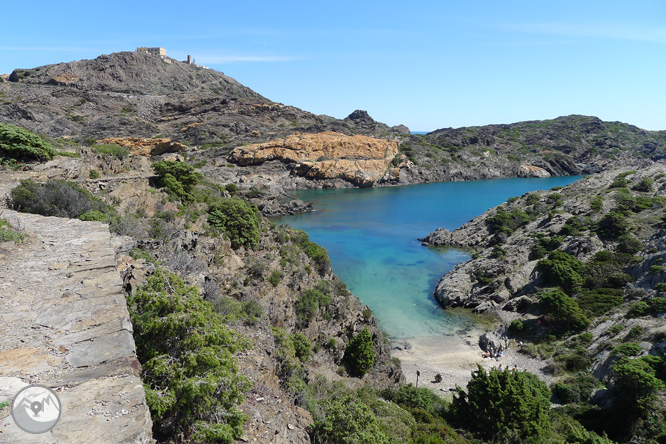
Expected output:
(308, 303)
(627, 349)
(19, 144)
(507, 222)
(55, 198)
(231, 188)
(178, 178)
(346, 420)
(533, 199)
(661, 287)
(285, 355)
(516, 327)
(360, 353)
(93, 174)
(412, 397)
(111, 150)
(8, 233)
(635, 384)
(275, 277)
(599, 301)
(503, 406)
(597, 203)
(302, 347)
(563, 311)
(629, 244)
(187, 354)
(573, 227)
(638, 309)
(251, 311)
(644, 184)
(574, 362)
(612, 225)
(94, 216)
(561, 269)
(576, 389)
(240, 220)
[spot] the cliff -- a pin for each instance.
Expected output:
(361, 160)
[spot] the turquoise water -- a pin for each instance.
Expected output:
(371, 238)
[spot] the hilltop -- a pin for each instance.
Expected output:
(133, 94)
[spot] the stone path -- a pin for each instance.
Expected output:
(64, 324)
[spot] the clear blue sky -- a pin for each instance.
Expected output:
(426, 64)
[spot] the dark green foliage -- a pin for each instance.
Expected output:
(576, 361)
(346, 420)
(626, 350)
(286, 362)
(360, 353)
(612, 225)
(55, 198)
(598, 301)
(573, 227)
(19, 144)
(575, 389)
(498, 252)
(533, 199)
(302, 347)
(652, 306)
(112, 150)
(555, 199)
(636, 384)
(93, 174)
(629, 244)
(94, 216)
(415, 398)
(314, 251)
(661, 287)
(563, 311)
(240, 220)
(644, 185)
(187, 354)
(544, 245)
(516, 327)
(507, 222)
(561, 269)
(638, 309)
(178, 178)
(231, 188)
(619, 182)
(251, 312)
(503, 406)
(308, 304)
(597, 203)
(275, 277)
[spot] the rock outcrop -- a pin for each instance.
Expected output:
(145, 147)
(361, 160)
(65, 325)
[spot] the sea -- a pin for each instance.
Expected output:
(372, 240)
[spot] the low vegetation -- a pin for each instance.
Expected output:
(20, 145)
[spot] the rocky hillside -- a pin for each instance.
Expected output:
(142, 95)
(130, 94)
(577, 274)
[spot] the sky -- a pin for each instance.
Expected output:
(424, 64)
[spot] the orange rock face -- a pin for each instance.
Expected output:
(145, 147)
(358, 159)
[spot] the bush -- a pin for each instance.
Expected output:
(645, 185)
(8, 233)
(563, 311)
(561, 269)
(629, 244)
(503, 406)
(612, 225)
(308, 303)
(20, 144)
(276, 277)
(576, 389)
(187, 355)
(55, 198)
(178, 178)
(635, 384)
(638, 309)
(597, 203)
(93, 174)
(516, 327)
(231, 188)
(414, 398)
(360, 354)
(112, 150)
(599, 301)
(627, 349)
(346, 420)
(507, 222)
(240, 220)
(302, 347)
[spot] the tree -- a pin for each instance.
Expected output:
(240, 220)
(503, 406)
(187, 354)
(178, 178)
(612, 225)
(20, 144)
(360, 354)
(562, 269)
(563, 311)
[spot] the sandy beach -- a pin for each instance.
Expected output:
(454, 357)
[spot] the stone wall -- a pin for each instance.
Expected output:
(64, 324)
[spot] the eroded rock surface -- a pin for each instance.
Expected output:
(65, 325)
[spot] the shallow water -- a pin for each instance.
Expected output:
(371, 237)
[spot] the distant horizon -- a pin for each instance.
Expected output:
(428, 66)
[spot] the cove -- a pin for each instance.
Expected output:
(371, 237)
